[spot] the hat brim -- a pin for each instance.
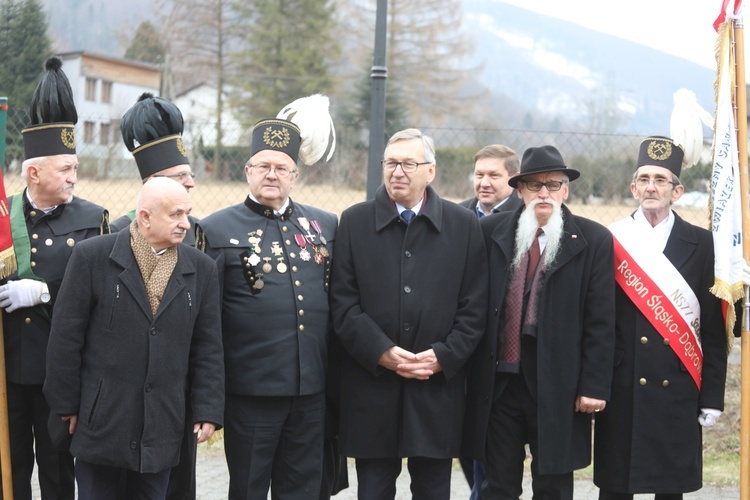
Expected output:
(572, 174)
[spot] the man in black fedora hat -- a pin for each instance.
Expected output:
(671, 361)
(545, 364)
(47, 222)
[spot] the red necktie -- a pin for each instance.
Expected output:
(534, 254)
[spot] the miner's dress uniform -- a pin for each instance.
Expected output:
(274, 278)
(52, 237)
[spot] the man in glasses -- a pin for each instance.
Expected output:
(545, 363)
(274, 259)
(671, 362)
(408, 302)
(152, 131)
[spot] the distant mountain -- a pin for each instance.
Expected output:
(559, 70)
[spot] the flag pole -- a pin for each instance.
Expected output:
(741, 121)
(5, 466)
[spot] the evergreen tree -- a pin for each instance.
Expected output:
(24, 46)
(287, 48)
(147, 45)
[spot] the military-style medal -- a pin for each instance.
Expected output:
(281, 267)
(267, 265)
(304, 255)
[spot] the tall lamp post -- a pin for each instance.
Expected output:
(377, 102)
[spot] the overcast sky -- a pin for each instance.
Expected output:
(683, 28)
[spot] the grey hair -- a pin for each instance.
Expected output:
(675, 180)
(40, 160)
(413, 133)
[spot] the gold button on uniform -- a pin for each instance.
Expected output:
(34, 236)
(666, 341)
(298, 283)
(644, 340)
(665, 383)
(293, 255)
(294, 269)
(27, 320)
(32, 213)
(33, 264)
(285, 229)
(300, 298)
(301, 312)
(302, 328)
(33, 250)
(288, 242)
(642, 381)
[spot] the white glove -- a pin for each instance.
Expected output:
(709, 417)
(21, 293)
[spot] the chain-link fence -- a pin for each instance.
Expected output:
(108, 175)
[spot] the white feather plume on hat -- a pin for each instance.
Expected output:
(317, 133)
(686, 125)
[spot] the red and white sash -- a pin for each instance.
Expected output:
(660, 293)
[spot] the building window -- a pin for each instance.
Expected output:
(106, 92)
(88, 132)
(90, 89)
(104, 132)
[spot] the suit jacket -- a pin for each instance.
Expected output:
(275, 334)
(52, 236)
(510, 205)
(124, 371)
(417, 286)
(575, 339)
(648, 439)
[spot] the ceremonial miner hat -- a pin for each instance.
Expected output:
(152, 131)
(541, 160)
(303, 129)
(661, 152)
(53, 115)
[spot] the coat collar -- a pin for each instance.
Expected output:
(385, 211)
(682, 242)
(131, 278)
(573, 242)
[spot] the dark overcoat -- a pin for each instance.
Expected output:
(122, 370)
(648, 439)
(510, 205)
(417, 286)
(575, 339)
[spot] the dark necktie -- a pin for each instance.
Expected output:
(407, 215)
(534, 254)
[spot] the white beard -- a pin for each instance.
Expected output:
(526, 234)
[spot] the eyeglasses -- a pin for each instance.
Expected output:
(659, 182)
(264, 169)
(537, 185)
(406, 166)
(179, 177)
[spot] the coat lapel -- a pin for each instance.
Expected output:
(572, 243)
(681, 244)
(176, 281)
(131, 277)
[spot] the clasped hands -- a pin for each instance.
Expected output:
(420, 366)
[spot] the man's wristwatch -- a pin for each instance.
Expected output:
(45, 297)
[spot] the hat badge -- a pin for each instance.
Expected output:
(68, 138)
(659, 150)
(181, 147)
(276, 138)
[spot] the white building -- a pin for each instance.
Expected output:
(103, 89)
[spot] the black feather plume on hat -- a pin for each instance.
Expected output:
(150, 118)
(53, 98)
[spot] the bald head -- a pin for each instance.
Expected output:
(162, 212)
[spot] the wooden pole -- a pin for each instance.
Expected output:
(4, 428)
(741, 120)
(5, 468)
